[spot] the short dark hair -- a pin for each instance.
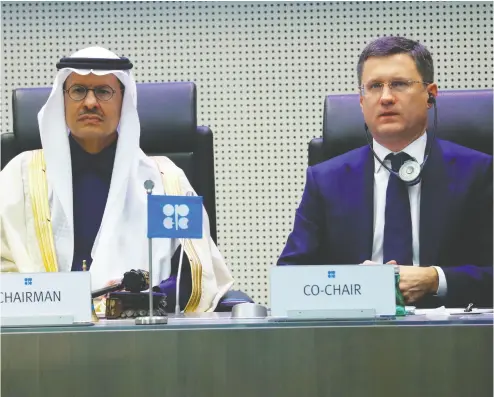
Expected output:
(391, 45)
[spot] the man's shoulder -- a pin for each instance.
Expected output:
(168, 168)
(452, 150)
(173, 177)
(164, 163)
(20, 160)
(353, 158)
(12, 185)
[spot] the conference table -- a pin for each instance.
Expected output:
(216, 355)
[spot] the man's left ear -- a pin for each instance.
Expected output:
(432, 94)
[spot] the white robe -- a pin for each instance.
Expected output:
(128, 247)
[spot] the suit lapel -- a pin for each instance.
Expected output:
(359, 197)
(434, 203)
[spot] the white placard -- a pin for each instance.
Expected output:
(328, 287)
(44, 297)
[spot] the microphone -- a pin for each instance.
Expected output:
(149, 185)
(133, 281)
(179, 271)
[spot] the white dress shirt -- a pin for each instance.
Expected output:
(381, 176)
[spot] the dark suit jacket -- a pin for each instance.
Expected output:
(334, 221)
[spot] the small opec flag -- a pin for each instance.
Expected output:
(174, 216)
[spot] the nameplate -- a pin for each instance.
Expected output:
(45, 298)
(325, 288)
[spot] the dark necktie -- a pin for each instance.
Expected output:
(397, 243)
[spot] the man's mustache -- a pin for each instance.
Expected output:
(90, 112)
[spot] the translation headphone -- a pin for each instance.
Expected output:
(410, 171)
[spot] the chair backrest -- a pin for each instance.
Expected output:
(168, 119)
(463, 117)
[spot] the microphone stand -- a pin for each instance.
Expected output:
(151, 319)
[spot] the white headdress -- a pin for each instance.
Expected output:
(121, 242)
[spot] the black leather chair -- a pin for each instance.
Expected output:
(168, 118)
(463, 117)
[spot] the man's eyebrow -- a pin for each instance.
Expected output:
(375, 80)
(380, 80)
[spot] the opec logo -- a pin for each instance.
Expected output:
(28, 281)
(331, 274)
(176, 216)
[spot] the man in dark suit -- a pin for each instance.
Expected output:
(438, 230)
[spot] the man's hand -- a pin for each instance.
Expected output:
(415, 281)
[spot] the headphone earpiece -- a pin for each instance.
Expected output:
(431, 99)
(410, 172)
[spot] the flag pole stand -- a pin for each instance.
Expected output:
(151, 319)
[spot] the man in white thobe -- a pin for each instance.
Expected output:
(80, 199)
